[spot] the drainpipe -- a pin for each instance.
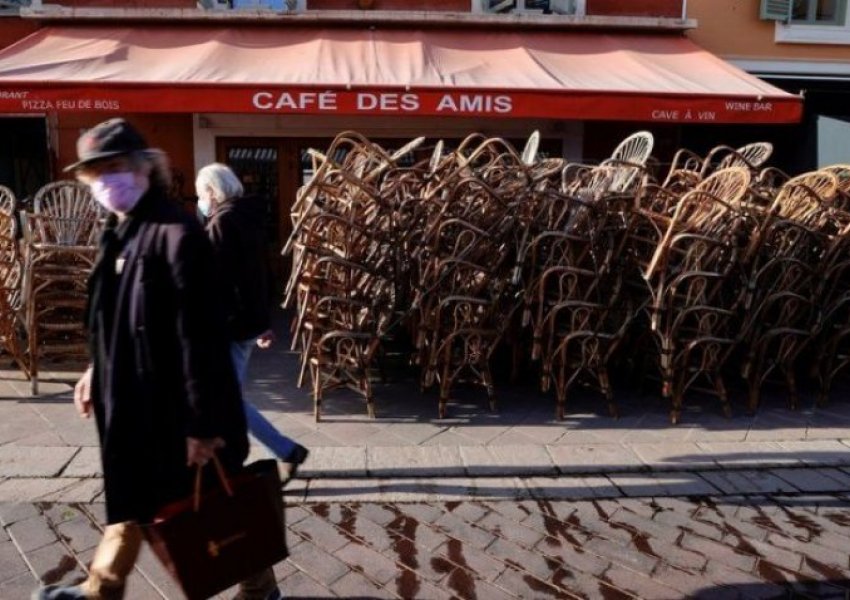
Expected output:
(684, 9)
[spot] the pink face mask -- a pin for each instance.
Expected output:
(118, 192)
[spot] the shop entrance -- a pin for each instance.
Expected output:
(273, 168)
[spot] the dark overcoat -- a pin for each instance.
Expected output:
(162, 368)
(237, 232)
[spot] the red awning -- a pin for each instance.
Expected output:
(562, 75)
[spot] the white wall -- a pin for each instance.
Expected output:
(833, 145)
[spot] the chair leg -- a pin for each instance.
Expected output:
(488, 384)
(791, 380)
(316, 374)
(605, 384)
(723, 395)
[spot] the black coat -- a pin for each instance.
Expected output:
(165, 371)
(237, 232)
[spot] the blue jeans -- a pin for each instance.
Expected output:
(265, 433)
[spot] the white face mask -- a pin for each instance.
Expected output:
(205, 205)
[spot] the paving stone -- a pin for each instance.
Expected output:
(510, 530)
(299, 585)
(733, 528)
(470, 511)
(419, 461)
(457, 528)
(139, 588)
(354, 585)
(621, 555)
(817, 452)
(750, 454)
(673, 455)
(662, 484)
(321, 533)
(518, 557)
(506, 460)
(86, 463)
(369, 562)
(443, 489)
(10, 512)
(76, 490)
(318, 564)
(571, 487)
(29, 490)
(647, 526)
(54, 563)
(12, 563)
(595, 458)
(21, 461)
(424, 513)
(827, 558)
(811, 480)
(516, 511)
(19, 586)
(525, 585)
(640, 585)
(573, 557)
(485, 564)
(30, 534)
(59, 513)
(335, 461)
(370, 532)
(718, 552)
(343, 490)
(499, 488)
(425, 540)
(733, 482)
(408, 585)
(80, 534)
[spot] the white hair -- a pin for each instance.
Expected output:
(221, 180)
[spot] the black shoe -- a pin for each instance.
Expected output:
(289, 467)
(59, 592)
(273, 595)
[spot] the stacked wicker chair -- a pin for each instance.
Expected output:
(574, 296)
(690, 280)
(483, 246)
(833, 291)
(60, 246)
(11, 279)
(784, 262)
(342, 283)
(464, 255)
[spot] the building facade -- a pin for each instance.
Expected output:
(801, 46)
(256, 83)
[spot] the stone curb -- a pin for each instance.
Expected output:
(801, 479)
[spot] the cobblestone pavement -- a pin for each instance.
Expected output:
(482, 505)
(790, 545)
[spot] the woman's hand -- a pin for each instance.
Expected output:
(82, 394)
(200, 451)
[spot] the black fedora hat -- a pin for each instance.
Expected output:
(110, 138)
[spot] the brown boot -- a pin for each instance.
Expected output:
(261, 586)
(113, 562)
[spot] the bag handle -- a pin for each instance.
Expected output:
(222, 477)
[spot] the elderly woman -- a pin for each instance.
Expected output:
(160, 384)
(236, 224)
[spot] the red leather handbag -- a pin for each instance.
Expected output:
(216, 538)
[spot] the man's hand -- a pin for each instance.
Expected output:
(200, 451)
(82, 394)
(266, 339)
